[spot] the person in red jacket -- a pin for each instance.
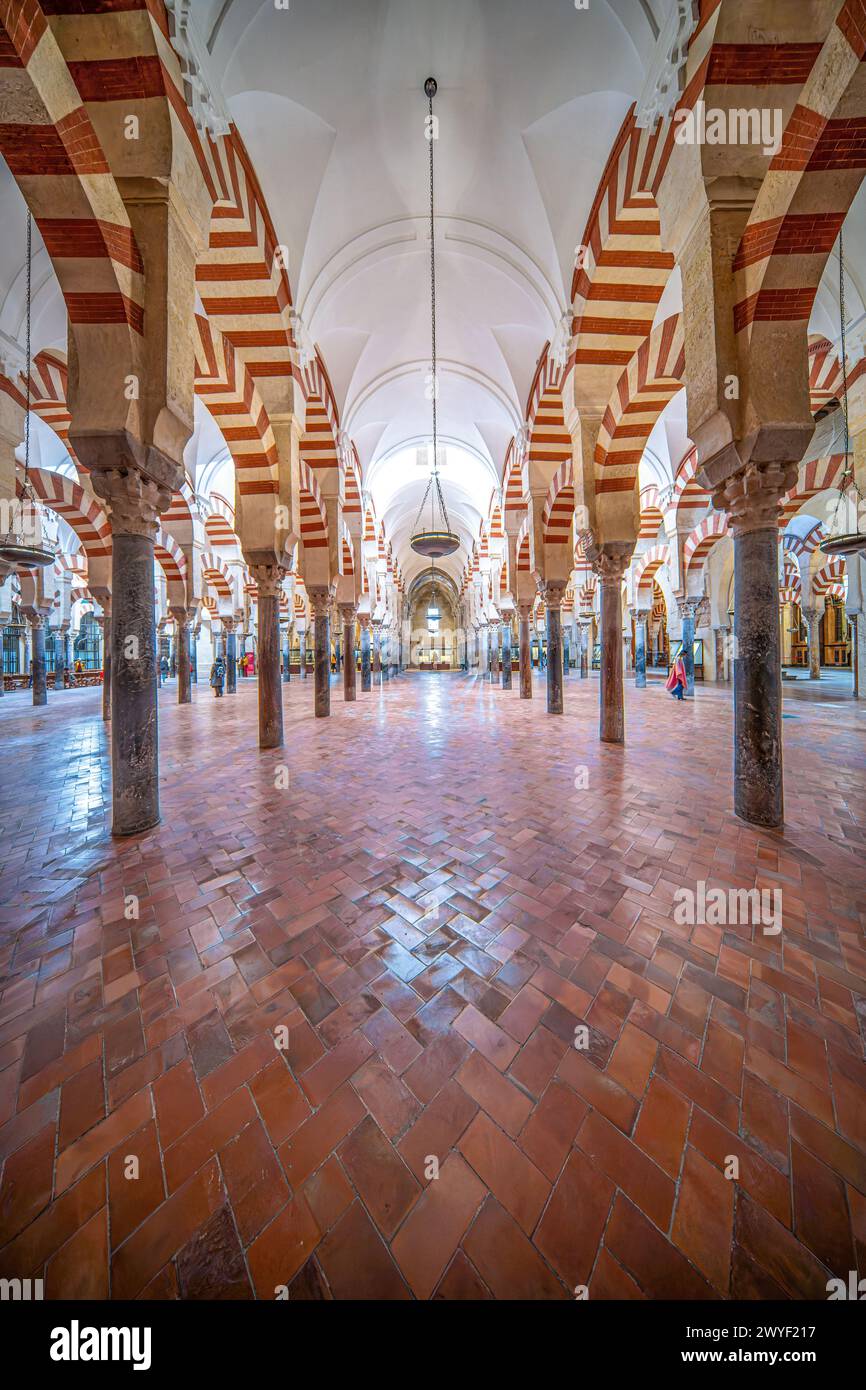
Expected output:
(676, 681)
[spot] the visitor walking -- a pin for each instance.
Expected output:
(676, 681)
(217, 677)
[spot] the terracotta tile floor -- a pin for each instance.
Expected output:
(422, 920)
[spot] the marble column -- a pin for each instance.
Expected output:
(492, 653)
(184, 684)
(813, 623)
(366, 679)
(688, 608)
(347, 612)
(640, 622)
(134, 502)
(751, 499)
(721, 635)
(524, 617)
(506, 654)
(303, 652)
(377, 650)
(553, 593)
(65, 661)
(40, 667)
(384, 655)
(231, 641)
(287, 655)
(584, 651)
(320, 599)
(105, 624)
(269, 580)
(193, 653)
(610, 562)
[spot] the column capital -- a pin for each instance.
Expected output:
(688, 607)
(182, 616)
(348, 612)
(751, 496)
(133, 500)
(642, 614)
(364, 620)
(35, 617)
(269, 579)
(610, 559)
(320, 599)
(524, 612)
(552, 591)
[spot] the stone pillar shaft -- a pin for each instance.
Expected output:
(130, 671)
(232, 658)
(758, 779)
(612, 710)
(553, 601)
(269, 581)
(640, 651)
(525, 653)
(40, 665)
(366, 679)
(506, 656)
(349, 687)
(184, 670)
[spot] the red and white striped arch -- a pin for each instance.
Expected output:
(648, 565)
(217, 575)
(813, 478)
(650, 381)
(314, 520)
(220, 524)
(550, 442)
(48, 393)
(651, 516)
(690, 497)
(230, 394)
(701, 541)
(831, 580)
(79, 509)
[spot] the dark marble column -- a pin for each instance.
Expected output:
(492, 653)
(758, 779)
(610, 562)
(553, 594)
(384, 654)
(130, 669)
(347, 612)
(524, 612)
(193, 653)
(229, 626)
(104, 621)
(303, 652)
(40, 666)
(269, 579)
(721, 639)
(366, 680)
(377, 651)
(184, 684)
(813, 621)
(320, 600)
(640, 622)
(584, 650)
(66, 663)
(687, 636)
(506, 654)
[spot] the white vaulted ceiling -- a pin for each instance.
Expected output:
(328, 96)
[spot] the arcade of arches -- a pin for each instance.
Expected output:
(414, 886)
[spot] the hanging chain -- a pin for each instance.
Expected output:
(434, 487)
(28, 349)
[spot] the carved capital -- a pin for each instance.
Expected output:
(229, 624)
(609, 560)
(320, 600)
(641, 614)
(35, 618)
(751, 497)
(269, 579)
(347, 613)
(182, 616)
(812, 615)
(552, 591)
(133, 500)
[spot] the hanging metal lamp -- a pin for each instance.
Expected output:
(16, 547)
(437, 539)
(853, 542)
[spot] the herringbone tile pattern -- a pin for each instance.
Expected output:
(451, 888)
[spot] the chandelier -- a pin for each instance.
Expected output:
(854, 542)
(19, 547)
(437, 539)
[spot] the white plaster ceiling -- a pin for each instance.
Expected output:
(328, 98)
